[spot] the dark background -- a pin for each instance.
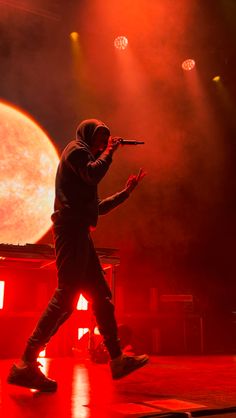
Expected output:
(177, 230)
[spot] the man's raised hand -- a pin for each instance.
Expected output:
(133, 180)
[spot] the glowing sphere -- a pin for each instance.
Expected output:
(216, 79)
(27, 175)
(188, 64)
(121, 42)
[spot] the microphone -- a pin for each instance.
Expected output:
(130, 142)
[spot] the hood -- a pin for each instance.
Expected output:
(87, 128)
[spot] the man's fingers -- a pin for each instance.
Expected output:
(115, 139)
(141, 174)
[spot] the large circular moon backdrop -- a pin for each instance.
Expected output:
(27, 177)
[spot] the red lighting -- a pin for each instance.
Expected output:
(188, 64)
(121, 42)
(1, 294)
(82, 304)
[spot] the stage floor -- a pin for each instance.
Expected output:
(193, 383)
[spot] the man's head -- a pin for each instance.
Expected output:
(95, 134)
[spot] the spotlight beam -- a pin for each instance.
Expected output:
(36, 11)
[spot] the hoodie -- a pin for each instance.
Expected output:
(77, 178)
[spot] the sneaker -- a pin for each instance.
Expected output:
(125, 364)
(32, 377)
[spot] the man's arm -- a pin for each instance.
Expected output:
(91, 172)
(111, 202)
(106, 205)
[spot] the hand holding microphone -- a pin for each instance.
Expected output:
(113, 144)
(115, 141)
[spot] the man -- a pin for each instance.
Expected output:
(84, 162)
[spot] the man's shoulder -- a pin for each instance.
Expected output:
(76, 154)
(74, 147)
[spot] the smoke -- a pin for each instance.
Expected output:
(180, 209)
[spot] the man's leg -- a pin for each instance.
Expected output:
(70, 273)
(57, 312)
(103, 308)
(71, 246)
(27, 373)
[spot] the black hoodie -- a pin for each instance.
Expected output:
(78, 175)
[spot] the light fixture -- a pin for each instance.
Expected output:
(121, 42)
(74, 36)
(216, 79)
(188, 64)
(2, 284)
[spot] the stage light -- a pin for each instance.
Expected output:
(82, 304)
(188, 64)
(2, 284)
(216, 79)
(82, 332)
(96, 331)
(121, 42)
(74, 36)
(42, 354)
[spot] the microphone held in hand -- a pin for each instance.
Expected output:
(130, 142)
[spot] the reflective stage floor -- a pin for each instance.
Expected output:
(167, 384)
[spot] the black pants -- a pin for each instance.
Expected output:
(79, 270)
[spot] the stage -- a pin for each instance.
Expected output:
(124, 109)
(195, 384)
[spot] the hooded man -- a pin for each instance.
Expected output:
(83, 164)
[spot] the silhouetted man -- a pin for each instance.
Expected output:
(83, 164)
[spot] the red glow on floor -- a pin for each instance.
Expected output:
(132, 409)
(2, 284)
(175, 404)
